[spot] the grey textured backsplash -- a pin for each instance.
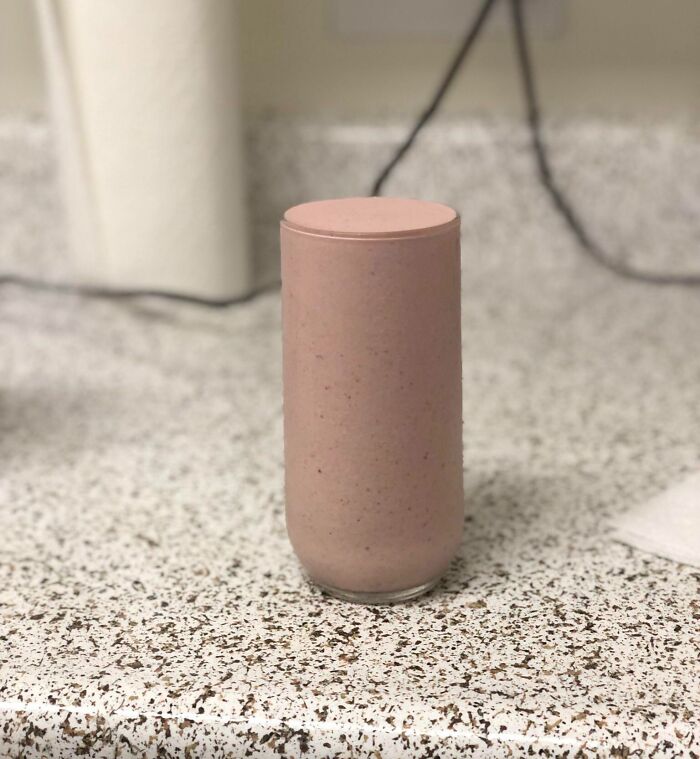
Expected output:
(636, 185)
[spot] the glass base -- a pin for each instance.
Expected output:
(383, 597)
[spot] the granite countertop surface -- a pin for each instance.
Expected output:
(150, 604)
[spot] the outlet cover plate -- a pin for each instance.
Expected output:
(376, 20)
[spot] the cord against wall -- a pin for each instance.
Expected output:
(472, 35)
(559, 199)
(561, 202)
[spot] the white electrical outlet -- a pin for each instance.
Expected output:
(383, 19)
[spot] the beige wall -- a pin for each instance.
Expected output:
(610, 56)
(21, 82)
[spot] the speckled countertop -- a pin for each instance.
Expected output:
(150, 604)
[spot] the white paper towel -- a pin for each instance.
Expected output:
(668, 525)
(145, 103)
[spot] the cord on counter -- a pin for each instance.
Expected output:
(91, 291)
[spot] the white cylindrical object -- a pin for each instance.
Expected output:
(146, 110)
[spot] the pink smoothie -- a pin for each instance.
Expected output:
(372, 391)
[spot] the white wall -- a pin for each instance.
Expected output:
(610, 56)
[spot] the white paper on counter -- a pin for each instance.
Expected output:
(668, 525)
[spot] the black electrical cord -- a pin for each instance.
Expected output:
(559, 199)
(92, 291)
(472, 34)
